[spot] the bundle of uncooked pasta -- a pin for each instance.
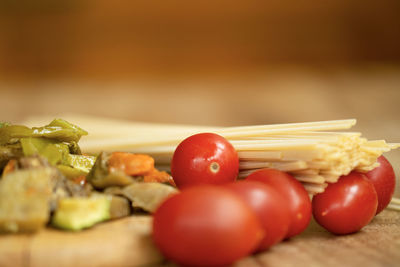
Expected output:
(315, 153)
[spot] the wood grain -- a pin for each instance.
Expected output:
(376, 245)
(124, 242)
(127, 242)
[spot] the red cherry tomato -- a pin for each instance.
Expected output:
(206, 225)
(204, 158)
(293, 191)
(271, 208)
(384, 181)
(347, 205)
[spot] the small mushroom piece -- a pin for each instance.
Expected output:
(148, 196)
(100, 176)
(114, 190)
(111, 179)
(119, 207)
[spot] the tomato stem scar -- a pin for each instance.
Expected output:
(214, 167)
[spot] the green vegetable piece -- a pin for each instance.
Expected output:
(58, 129)
(78, 213)
(11, 133)
(69, 132)
(111, 179)
(66, 125)
(80, 162)
(55, 152)
(56, 132)
(70, 172)
(4, 124)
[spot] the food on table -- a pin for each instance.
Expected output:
(101, 176)
(206, 225)
(71, 172)
(147, 196)
(46, 178)
(293, 192)
(58, 129)
(143, 195)
(114, 190)
(9, 151)
(118, 169)
(384, 181)
(130, 164)
(347, 205)
(76, 213)
(56, 142)
(60, 186)
(270, 206)
(24, 199)
(315, 153)
(204, 158)
(120, 207)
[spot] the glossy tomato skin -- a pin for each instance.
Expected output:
(384, 181)
(206, 225)
(269, 205)
(347, 205)
(294, 193)
(204, 158)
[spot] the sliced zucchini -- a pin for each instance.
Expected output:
(77, 213)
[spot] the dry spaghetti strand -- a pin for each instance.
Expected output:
(315, 153)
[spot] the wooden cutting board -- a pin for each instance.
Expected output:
(123, 242)
(127, 242)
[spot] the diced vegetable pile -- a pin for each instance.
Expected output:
(47, 180)
(214, 220)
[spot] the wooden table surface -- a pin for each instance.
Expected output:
(127, 242)
(378, 244)
(271, 96)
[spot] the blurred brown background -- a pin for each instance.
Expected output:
(114, 39)
(206, 62)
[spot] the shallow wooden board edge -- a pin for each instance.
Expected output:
(123, 242)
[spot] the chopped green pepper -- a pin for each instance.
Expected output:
(57, 142)
(66, 125)
(58, 129)
(70, 172)
(55, 152)
(80, 162)
(11, 133)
